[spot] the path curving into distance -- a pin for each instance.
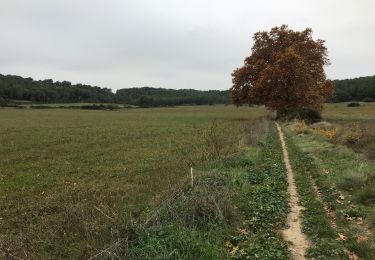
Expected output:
(298, 242)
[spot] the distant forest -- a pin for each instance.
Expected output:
(357, 89)
(151, 97)
(14, 89)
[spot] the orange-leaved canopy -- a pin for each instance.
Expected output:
(284, 72)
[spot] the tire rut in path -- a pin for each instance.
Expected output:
(298, 242)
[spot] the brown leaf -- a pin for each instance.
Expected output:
(360, 239)
(342, 237)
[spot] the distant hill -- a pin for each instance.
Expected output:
(47, 91)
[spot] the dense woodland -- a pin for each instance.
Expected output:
(150, 97)
(357, 89)
(14, 89)
(47, 91)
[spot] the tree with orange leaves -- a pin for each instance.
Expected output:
(284, 72)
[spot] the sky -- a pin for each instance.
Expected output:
(171, 43)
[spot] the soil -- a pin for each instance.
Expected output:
(298, 242)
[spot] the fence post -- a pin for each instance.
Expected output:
(192, 176)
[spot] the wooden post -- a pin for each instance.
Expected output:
(192, 176)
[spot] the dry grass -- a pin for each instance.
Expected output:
(355, 127)
(345, 172)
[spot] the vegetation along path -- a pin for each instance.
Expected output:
(298, 242)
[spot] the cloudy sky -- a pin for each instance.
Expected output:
(171, 43)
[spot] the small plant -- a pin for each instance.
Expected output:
(352, 139)
(254, 130)
(300, 127)
(330, 134)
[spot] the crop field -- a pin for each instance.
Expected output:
(69, 179)
(75, 183)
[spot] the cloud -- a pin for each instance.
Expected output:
(166, 43)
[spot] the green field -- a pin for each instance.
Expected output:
(74, 182)
(70, 178)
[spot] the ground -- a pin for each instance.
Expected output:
(69, 176)
(75, 182)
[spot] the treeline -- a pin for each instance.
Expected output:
(14, 89)
(47, 91)
(357, 89)
(152, 97)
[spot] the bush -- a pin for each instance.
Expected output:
(368, 99)
(308, 115)
(100, 107)
(3, 102)
(354, 104)
(40, 107)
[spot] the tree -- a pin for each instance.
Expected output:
(284, 72)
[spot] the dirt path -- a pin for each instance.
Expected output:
(298, 242)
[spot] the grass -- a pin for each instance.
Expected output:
(70, 180)
(355, 127)
(74, 182)
(315, 221)
(267, 206)
(344, 174)
(240, 206)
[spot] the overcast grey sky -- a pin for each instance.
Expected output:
(171, 43)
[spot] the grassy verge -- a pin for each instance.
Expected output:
(315, 221)
(233, 211)
(344, 181)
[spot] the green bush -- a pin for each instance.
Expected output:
(100, 107)
(40, 107)
(368, 99)
(308, 115)
(354, 104)
(3, 102)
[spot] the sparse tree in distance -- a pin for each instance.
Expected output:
(284, 72)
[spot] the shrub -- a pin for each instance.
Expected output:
(254, 130)
(100, 107)
(352, 138)
(308, 115)
(3, 102)
(40, 107)
(300, 127)
(354, 104)
(368, 99)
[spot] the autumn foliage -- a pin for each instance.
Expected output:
(284, 72)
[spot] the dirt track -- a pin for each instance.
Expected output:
(298, 242)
